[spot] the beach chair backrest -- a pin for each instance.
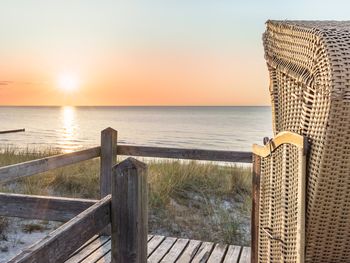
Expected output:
(309, 67)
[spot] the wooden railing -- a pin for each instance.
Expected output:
(12, 131)
(110, 150)
(122, 203)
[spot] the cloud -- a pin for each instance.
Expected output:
(5, 82)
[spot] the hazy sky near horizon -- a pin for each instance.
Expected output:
(184, 52)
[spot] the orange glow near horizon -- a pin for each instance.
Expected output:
(142, 52)
(139, 78)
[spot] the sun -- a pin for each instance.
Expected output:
(68, 82)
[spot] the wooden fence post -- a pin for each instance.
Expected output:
(129, 212)
(108, 159)
(255, 208)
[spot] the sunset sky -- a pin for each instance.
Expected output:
(184, 52)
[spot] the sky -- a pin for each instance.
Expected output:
(108, 52)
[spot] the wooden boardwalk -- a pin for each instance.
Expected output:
(122, 185)
(167, 250)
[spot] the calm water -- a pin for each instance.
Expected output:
(72, 128)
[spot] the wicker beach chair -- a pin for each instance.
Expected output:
(309, 67)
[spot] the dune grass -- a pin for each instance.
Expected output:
(199, 200)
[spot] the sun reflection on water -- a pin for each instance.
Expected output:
(69, 129)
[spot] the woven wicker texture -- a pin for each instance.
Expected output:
(278, 211)
(309, 66)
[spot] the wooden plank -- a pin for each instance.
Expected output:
(191, 154)
(255, 207)
(175, 251)
(232, 254)
(190, 251)
(129, 212)
(42, 207)
(99, 253)
(61, 243)
(149, 237)
(84, 252)
(154, 243)
(15, 171)
(218, 253)
(106, 256)
(245, 255)
(203, 252)
(162, 250)
(12, 131)
(105, 259)
(180, 251)
(108, 159)
(87, 243)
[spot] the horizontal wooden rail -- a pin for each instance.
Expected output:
(180, 153)
(42, 207)
(12, 131)
(61, 243)
(15, 171)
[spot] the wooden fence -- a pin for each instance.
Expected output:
(12, 131)
(123, 192)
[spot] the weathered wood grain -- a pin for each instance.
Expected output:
(218, 253)
(255, 207)
(175, 251)
(232, 254)
(98, 253)
(108, 159)
(203, 252)
(15, 171)
(105, 259)
(160, 249)
(245, 255)
(87, 243)
(42, 207)
(180, 153)
(166, 245)
(190, 251)
(154, 243)
(89, 249)
(129, 212)
(61, 243)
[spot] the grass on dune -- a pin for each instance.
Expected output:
(173, 178)
(186, 198)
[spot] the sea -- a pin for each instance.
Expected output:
(69, 128)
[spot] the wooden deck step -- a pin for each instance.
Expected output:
(166, 250)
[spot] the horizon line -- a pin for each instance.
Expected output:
(135, 105)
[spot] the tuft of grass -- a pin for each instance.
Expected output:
(199, 200)
(12, 155)
(33, 227)
(174, 178)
